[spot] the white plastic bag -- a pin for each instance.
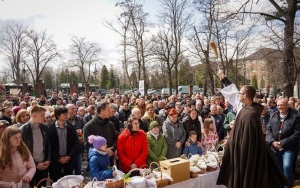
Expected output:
(136, 182)
(70, 181)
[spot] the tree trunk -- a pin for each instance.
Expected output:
(289, 68)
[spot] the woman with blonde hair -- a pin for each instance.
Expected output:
(22, 117)
(16, 162)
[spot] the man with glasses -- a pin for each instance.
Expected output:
(247, 160)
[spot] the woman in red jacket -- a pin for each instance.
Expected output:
(132, 146)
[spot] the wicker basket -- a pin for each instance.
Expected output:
(193, 174)
(209, 168)
(162, 182)
(116, 184)
(45, 180)
(202, 171)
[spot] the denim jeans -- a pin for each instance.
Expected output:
(286, 161)
(77, 163)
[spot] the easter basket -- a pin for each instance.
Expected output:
(160, 182)
(115, 183)
(45, 180)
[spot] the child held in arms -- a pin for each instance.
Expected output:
(193, 148)
(99, 160)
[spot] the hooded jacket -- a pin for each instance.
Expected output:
(99, 164)
(132, 149)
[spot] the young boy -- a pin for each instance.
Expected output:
(193, 148)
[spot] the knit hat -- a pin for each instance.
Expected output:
(153, 124)
(16, 109)
(97, 141)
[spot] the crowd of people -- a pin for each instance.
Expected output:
(50, 135)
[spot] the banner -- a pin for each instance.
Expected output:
(141, 87)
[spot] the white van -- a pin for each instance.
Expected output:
(185, 89)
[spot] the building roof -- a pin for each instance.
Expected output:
(266, 53)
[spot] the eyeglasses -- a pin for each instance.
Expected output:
(242, 93)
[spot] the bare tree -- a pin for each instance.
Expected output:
(42, 51)
(176, 17)
(231, 41)
(13, 46)
(84, 55)
(162, 50)
(135, 20)
(122, 28)
(284, 12)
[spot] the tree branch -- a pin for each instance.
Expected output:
(277, 7)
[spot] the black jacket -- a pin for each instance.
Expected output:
(290, 133)
(124, 115)
(100, 127)
(72, 143)
(28, 139)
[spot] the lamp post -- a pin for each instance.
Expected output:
(23, 71)
(56, 83)
(68, 87)
(95, 74)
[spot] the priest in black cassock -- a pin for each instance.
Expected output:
(247, 161)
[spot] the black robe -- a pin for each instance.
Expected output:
(247, 161)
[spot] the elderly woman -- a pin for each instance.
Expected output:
(22, 117)
(16, 162)
(132, 146)
(174, 133)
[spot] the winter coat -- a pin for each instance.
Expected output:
(99, 164)
(100, 127)
(28, 139)
(132, 149)
(157, 148)
(192, 149)
(290, 132)
(173, 133)
(19, 169)
(124, 114)
(192, 125)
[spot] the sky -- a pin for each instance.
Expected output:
(64, 18)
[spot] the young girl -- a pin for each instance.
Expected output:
(99, 160)
(16, 162)
(209, 135)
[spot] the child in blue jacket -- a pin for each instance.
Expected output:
(193, 147)
(98, 159)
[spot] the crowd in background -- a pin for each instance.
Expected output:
(50, 135)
